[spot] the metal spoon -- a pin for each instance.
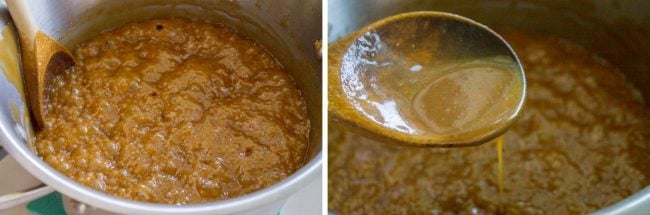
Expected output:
(425, 79)
(42, 56)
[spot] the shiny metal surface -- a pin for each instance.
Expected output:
(615, 30)
(288, 28)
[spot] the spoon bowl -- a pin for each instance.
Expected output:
(426, 79)
(42, 57)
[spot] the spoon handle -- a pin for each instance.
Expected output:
(41, 55)
(23, 19)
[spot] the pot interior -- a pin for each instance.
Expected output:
(289, 31)
(614, 30)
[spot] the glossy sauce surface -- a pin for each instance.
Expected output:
(580, 145)
(174, 111)
(404, 78)
(464, 99)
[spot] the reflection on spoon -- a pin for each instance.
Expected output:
(426, 78)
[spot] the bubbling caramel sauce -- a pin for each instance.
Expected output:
(174, 111)
(581, 144)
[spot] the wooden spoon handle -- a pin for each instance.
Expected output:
(42, 56)
(23, 19)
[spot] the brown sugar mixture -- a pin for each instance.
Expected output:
(174, 111)
(581, 144)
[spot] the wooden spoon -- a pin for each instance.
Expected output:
(425, 79)
(42, 57)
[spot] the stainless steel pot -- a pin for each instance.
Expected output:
(288, 28)
(615, 30)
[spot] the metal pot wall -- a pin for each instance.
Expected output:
(615, 30)
(288, 28)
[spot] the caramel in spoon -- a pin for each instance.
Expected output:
(426, 79)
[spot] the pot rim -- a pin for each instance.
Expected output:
(18, 147)
(48, 175)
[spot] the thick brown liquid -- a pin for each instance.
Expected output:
(395, 81)
(464, 99)
(174, 111)
(500, 163)
(580, 145)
